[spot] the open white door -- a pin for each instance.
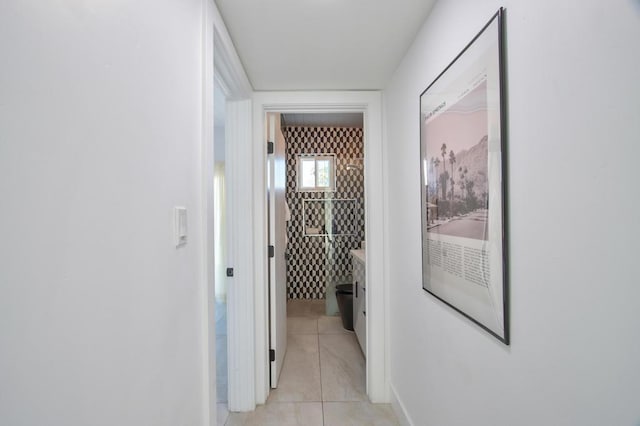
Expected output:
(277, 168)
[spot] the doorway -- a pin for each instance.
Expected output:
(229, 277)
(221, 247)
(319, 234)
(369, 105)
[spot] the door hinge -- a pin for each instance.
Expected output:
(272, 251)
(270, 148)
(229, 272)
(272, 355)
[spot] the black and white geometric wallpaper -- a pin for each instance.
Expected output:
(315, 260)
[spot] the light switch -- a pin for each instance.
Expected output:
(180, 219)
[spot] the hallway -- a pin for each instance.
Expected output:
(322, 380)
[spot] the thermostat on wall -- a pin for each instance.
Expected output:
(180, 222)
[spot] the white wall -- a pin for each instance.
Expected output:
(574, 143)
(100, 136)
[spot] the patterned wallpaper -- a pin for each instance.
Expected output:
(314, 260)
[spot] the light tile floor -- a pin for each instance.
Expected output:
(322, 380)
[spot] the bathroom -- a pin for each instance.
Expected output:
(325, 240)
(326, 222)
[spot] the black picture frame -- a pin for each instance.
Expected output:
(463, 183)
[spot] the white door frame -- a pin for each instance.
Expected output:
(370, 104)
(207, 220)
(231, 76)
(221, 62)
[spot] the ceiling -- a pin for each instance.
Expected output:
(322, 44)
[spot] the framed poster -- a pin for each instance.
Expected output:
(462, 150)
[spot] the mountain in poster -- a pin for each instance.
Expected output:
(474, 160)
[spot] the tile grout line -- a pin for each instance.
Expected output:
(320, 369)
(361, 404)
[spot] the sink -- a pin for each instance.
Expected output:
(359, 254)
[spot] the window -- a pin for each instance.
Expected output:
(317, 172)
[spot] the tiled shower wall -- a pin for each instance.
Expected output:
(315, 260)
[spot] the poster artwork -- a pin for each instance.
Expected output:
(462, 193)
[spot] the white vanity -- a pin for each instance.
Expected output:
(359, 298)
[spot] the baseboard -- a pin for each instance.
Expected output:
(399, 409)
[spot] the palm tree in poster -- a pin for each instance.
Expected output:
(471, 197)
(463, 179)
(435, 161)
(452, 160)
(444, 178)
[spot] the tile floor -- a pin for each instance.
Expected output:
(322, 380)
